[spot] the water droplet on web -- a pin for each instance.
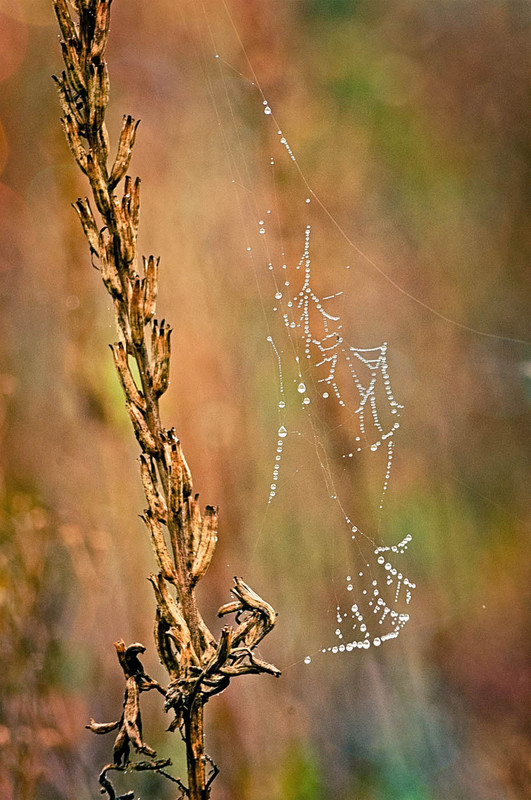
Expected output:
(281, 404)
(267, 110)
(301, 388)
(282, 432)
(278, 295)
(307, 660)
(307, 199)
(306, 401)
(261, 231)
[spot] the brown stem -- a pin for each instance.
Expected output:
(195, 752)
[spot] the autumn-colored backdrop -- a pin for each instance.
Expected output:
(410, 121)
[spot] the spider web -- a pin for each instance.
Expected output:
(353, 385)
(334, 381)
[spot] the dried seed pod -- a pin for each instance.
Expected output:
(125, 150)
(169, 609)
(125, 229)
(261, 619)
(99, 186)
(131, 390)
(131, 720)
(103, 142)
(64, 19)
(156, 502)
(101, 28)
(191, 525)
(164, 649)
(136, 311)
(206, 544)
(98, 93)
(219, 656)
(134, 206)
(126, 198)
(151, 271)
(159, 546)
(143, 434)
(67, 101)
(90, 229)
(102, 727)
(109, 273)
(74, 72)
(161, 349)
(179, 458)
(175, 486)
(71, 130)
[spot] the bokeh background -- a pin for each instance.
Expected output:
(410, 121)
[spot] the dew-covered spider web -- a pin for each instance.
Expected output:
(353, 386)
(334, 395)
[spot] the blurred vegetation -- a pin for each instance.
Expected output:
(411, 122)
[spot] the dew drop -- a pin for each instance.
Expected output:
(278, 295)
(307, 660)
(282, 432)
(301, 388)
(281, 404)
(267, 110)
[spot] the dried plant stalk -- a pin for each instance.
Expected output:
(183, 537)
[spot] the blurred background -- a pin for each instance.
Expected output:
(410, 121)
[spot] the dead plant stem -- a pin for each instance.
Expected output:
(198, 666)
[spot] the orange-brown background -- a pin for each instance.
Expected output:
(410, 119)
